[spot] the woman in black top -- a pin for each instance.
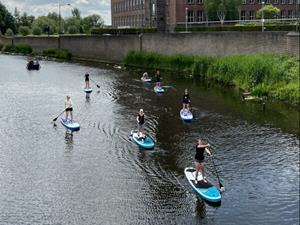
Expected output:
(199, 158)
(157, 76)
(140, 122)
(186, 100)
(87, 80)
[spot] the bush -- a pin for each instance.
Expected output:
(270, 75)
(96, 31)
(73, 30)
(270, 12)
(9, 32)
(24, 30)
(18, 48)
(1, 47)
(36, 31)
(57, 53)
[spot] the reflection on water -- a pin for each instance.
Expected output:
(256, 153)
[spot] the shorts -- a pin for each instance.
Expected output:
(87, 80)
(186, 102)
(140, 126)
(69, 109)
(199, 161)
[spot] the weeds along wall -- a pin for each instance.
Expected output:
(114, 48)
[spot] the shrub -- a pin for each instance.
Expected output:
(73, 30)
(36, 31)
(9, 32)
(24, 30)
(270, 12)
(18, 48)
(1, 47)
(57, 53)
(96, 31)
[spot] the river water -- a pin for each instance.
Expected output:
(97, 176)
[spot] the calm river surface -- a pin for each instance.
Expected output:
(97, 176)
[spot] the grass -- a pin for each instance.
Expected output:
(269, 75)
(18, 48)
(57, 53)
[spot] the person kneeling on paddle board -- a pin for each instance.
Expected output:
(157, 76)
(87, 80)
(186, 100)
(145, 76)
(140, 123)
(69, 107)
(199, 158)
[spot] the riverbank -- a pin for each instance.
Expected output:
(264, 75)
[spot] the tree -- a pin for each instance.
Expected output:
(36, 31)
(26, 20)
(6, 20)
(9, 32)
(24, 30)
(216, 9)
(91, 21)
(270, 12)
(76, 13)
(73, 30)
(43, 22)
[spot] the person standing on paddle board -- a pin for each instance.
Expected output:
(199, 158)
(140, 123)
(69, 107)
(186, 100)
(87, 80)
(157, 76)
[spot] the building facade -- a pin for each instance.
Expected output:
(166, 14)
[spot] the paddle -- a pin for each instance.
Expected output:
(58, 115)
(95, 83)
(221, 186)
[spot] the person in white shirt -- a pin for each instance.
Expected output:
(69, 107)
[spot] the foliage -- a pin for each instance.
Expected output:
(72, 30)
(18, 48)
(9, 32)
(122, 31)
(240, 27)
(1, 47)
(24, 30)
(43, 22)
(57, 53)
(91, 21)
(275, 76)
(228, 7)
(269, 11)
(6, 20)
(36, 31)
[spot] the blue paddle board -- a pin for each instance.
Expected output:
(186, 115)
(70, 124)
(203, 188)
(146, 80)
(146, 143)
(159, 89)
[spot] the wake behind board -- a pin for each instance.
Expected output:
(159, 90)
(203, 188)
(146, 80)
(146, 143)
(186, 115)
(70, 124)
(88, 90)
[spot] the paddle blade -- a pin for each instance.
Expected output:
(55, 119)
(98, 86)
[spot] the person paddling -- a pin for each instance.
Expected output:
(87, 80)
(186, 100)
(145, 76)
(199, 158)
(69, 107)
(157, 76)
(140, 123)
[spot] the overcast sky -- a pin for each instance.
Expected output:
(43, 7)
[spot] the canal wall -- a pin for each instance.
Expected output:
(114, 48)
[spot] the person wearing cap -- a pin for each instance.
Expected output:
(69, 107)
(87, 80)
(140, 122)
(186, 100)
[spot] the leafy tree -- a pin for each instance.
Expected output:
(217, 9)
(9, 32)
(76, 13)
(270, 12)
(26, 20)
(91, 21)
(24, 30)
(6, 20)
(73, 30)
(36, 31)
(43, 22)
(73, 22)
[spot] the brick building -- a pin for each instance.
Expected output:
(166, 14)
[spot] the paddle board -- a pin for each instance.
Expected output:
(159, 89)
(88, 90)
(146, 143)
(70, 124)
(186, 115)
(147, 80)
(203, 188)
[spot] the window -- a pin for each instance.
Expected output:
(267, 1)
(200, 1)
(275, 1)
(251, 1)
(190, 16)
(291, 1)
(282, 13)
(190, 1)
(282, 1)
(243, 15)
(290, 14)
(199, 16)
(251, 15)
(259, 1)
(244, 1)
